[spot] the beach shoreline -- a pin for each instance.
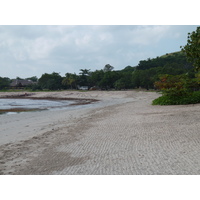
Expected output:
(118, 133)
(32, 96)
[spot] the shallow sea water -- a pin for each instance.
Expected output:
(28, 104)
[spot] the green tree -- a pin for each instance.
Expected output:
(172, 85)
(192, 48)
(96, 77)
(51, 81)
(84, 77)
(120, 84)
(85, 72)
(108, 68)
(109, 79)
(4, 82)
(70, 80)
(128, 69)
(18, 78)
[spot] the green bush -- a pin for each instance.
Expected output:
(191, 98)
(177, 90)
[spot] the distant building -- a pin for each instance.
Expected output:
(21, 83)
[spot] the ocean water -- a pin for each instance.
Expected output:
(6, 104)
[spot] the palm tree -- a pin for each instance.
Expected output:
(70, 80)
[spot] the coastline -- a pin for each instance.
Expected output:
(121, 133)
(34, 96)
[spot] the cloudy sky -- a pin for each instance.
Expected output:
(32, 50)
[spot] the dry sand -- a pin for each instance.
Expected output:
(120, 134)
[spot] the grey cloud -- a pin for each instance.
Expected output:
(33, 50)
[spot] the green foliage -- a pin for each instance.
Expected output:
(193, 98)
(4, 82)
(70, 81)
(84, 77)
(182, 89)
(128, 69)
(34, 87)
(192, 49)
(108, 68)
(96, 77)
(176, 60)
(171, 85)
(148, 71)
(108, 80)
(50, 81)
(125, 82)
(179, 89)
(18, 78)
(120, 84)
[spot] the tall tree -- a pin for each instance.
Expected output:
(109, 79)
(84, 77)
(96, 77)
(108, 68)
(70, 80)
(51, 81)
(4, 82)
(85, 72)
(192, 48)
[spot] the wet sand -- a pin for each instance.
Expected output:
(33, 96)
(122, 133)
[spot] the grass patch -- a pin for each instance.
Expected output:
(191, 98)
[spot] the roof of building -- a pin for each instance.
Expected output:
(17, 82)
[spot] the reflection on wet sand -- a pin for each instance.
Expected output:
(17, 105)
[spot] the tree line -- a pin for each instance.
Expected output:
(144, 75)
(141, 76)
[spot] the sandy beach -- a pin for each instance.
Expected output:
(121, 134)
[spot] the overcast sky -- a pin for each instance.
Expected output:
(32, 50)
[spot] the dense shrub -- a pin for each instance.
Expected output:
(177, 90)
(191, 98)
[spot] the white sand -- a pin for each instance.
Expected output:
(121, 134)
